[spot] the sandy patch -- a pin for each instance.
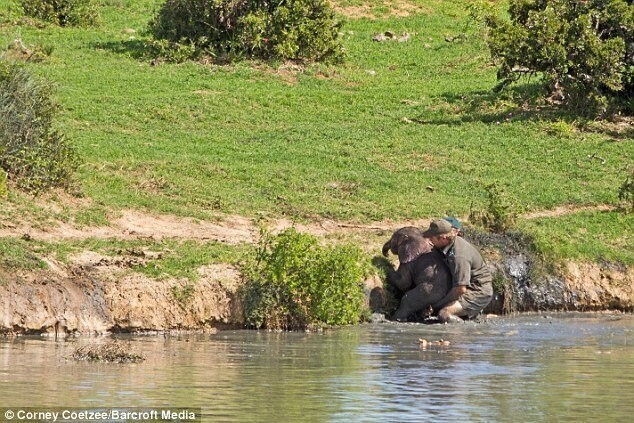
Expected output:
(565, 210)
(399, 8)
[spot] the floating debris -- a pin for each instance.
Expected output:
(110, 352)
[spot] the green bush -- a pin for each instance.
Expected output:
(626, 192)
(294, 282)
(281, 29)
(62, 12)
(501, 212)
(32, 153)
(585, 49)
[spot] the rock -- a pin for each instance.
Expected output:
(378, 318)
(110, 352)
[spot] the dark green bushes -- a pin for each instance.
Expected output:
(585, 49)
(294, 283)
(61, 12)
(31, 151)
(226, 29)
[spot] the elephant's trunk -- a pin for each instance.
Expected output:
(386, 247)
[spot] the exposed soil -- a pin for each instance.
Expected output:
(400, 8)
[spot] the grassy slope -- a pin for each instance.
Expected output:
(331, 141)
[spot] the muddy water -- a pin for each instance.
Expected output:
(528, 368)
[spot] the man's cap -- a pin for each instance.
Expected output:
(454, 222)
(437, 227)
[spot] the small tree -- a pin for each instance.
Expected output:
(286, 29)
(585, 49)
(31, 151)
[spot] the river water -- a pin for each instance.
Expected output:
(577, 367)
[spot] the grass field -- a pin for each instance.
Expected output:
(401, 130)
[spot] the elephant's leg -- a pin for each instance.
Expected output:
(395, 279)
(413, 301)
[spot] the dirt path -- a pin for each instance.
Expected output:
(229, 229)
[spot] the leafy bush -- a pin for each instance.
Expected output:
(585, 49)
(626, 192)
(286, 29)
(294, 283)
(501, 212)
(62, 12)
(32, 153)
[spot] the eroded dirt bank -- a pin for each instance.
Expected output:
(93, 293)
(97, 301)
(101, 301)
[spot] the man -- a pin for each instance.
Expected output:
(471, 289)
(456, 226)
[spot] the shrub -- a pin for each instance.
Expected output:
(501, 212)
(286, 29)
(32, 153)
(294, 282)
(626, 192)
(585, 49)
(62, 12)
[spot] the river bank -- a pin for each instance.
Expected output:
(93, 293)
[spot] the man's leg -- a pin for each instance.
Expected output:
(451, 312)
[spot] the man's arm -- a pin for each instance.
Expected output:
(453, 294)
(461, 274)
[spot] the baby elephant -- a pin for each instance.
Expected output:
(422, 273)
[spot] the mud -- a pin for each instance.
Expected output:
(100, 301)
(110, 351)
(524, 285)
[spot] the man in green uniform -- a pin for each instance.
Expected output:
(471, 280)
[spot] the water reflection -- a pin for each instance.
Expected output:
(523, 368)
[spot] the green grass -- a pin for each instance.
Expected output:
(17, 254)
(355, 142)
(584, 236)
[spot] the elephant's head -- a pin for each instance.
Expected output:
(408, 243)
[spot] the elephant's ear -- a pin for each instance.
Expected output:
(410, 249)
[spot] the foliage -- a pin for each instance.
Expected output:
(3, 184)
(31, 151)
(501, 212)
(62, 12)
(626, 192)
(584, 49)
(294, 282)
(291, 29)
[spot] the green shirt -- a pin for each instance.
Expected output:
(467, 266)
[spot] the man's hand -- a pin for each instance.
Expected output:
(453, 294)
